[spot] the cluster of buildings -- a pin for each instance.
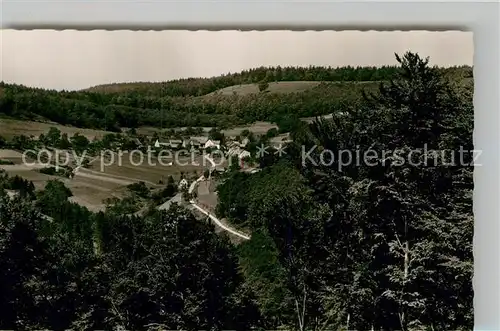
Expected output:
(237, 149)
(197, 143)
(232, 147)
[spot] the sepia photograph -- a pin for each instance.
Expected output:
(236, 180)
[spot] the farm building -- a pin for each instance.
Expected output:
(159, 144)
(244, 142)
(212, 143)
(183, 184)
(243, 154)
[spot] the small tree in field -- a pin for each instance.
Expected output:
(263, 85)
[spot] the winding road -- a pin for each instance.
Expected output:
(178, 198)
(212, 217)
(218, 222)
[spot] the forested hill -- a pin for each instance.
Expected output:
(226, 100)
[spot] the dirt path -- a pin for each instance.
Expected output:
(218, 222)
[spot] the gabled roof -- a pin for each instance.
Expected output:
(236, 150)
(157, 143)
(244, 154)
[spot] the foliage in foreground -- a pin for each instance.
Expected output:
(375, 244)
(76, 269)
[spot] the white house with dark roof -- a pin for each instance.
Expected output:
(212, 143)
(183, 184)
(243, 154)
(244, 142)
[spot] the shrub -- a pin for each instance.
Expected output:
(6, 162)
(263, 86)
(140, 189)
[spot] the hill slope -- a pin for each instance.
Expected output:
(224, 101)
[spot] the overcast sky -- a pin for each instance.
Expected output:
(79, 59)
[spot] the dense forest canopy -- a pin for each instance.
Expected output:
(187, 102)
(384, 246)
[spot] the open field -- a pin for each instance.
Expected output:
(91, 192)
(91, 186)
(150, 172)
(243, 89)
(257, 128)
(274, 87)
(11, 127)
(11, 155)
(88, 192)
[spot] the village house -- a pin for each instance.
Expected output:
(243, 154)
(194, 142)
(175, 143)
(159, 144)
(244, 142)
(212, 143)
(183, 184)
(232, 144)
